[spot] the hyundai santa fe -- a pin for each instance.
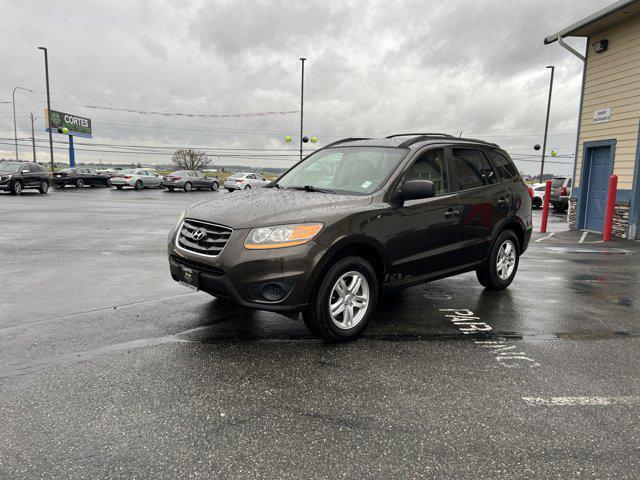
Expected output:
(354, 220)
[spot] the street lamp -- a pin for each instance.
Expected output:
(546, 125)
(46, 72)
(15, 130)
(302, 105)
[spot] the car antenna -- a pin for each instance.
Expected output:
(460, 134)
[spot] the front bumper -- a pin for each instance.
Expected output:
(239, 274)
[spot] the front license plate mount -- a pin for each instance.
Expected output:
(188, 277)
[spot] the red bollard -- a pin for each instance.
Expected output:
(611, 207)
(545, 207)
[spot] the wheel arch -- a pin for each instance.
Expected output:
(358, 245)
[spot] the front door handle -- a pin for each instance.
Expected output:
(502, 201)
(452, 213)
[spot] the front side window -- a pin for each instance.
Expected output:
(472, 168)
(347, 170)
(431, 166)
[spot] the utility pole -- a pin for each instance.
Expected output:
(33, 139)
(46, 71)
(15, 129)
(302, 106)
(546, 125)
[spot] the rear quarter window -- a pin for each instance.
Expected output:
(506, 168)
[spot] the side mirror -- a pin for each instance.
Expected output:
(416, 189)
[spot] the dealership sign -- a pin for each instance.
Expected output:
(67, 123)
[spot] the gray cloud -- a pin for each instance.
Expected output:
(373, 68)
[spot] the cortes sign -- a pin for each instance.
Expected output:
(69, 124)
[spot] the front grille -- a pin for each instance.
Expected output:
(212, 239)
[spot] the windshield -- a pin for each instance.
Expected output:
(358, 170)
(557, 182)
(10, 167)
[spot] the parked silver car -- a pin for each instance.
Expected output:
(189, 180)
(137, 178)
(244, 181)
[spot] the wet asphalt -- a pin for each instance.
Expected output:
(110, 369)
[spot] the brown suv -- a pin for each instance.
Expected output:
(354, 219)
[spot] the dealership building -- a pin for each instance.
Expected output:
(609, 119)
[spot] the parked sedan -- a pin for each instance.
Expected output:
(137, 178)
(538, 194)
(245, 181)
(79, 177)
(188, 180)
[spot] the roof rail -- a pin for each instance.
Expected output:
(476, 140)
(420, 134)
(344, 140)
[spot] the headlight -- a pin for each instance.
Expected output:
(281, 236)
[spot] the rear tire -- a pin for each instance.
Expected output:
(44, 187)
(119, 187)
(138, 185)
(170, 189)
(500, 268)
(215, 186)
(350, 288)
(537, 202)
(79, 183)
(229, 190)
(248, 187)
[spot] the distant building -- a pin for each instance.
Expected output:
(609, 120)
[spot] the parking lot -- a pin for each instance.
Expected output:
(110, 369)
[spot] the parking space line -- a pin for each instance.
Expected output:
(584, 235)
(579, 401)
(545, 238)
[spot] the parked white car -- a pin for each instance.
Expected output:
(538, 194)
(244, 181)
(137, 178)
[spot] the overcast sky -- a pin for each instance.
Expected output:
(374, 68)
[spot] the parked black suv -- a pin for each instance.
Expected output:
(353, 220)
(16, 176)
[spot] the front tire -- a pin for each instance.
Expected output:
(79, 183)
(500, 269)
(187, 187)
(537, 202)
(44, 187)
(16, 188)
(343, 300)
(248, 187)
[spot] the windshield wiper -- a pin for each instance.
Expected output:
(310, 188)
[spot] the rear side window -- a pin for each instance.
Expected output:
(505, 167)
(430, 166)
(472, 168)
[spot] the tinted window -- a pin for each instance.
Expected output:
(252, 177)
(558, 181)
(504, 166)
(37, 168)
(473, 169)
(26, 169)
(10, 167)
(430, 166)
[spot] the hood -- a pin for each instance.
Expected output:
(271, 206)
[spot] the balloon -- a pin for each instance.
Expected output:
(314, 139)
(65, 130)
(288, 139)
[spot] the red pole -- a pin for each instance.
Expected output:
(545, 208)
(611, 207)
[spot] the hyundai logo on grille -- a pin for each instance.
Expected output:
(199, 234)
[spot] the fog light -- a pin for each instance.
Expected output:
(272, 292)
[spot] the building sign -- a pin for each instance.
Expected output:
(69, 124)
(602, 116)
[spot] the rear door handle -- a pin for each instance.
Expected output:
(452, 213)
(502, 201)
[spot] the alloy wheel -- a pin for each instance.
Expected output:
(349, 300)
(506, 260)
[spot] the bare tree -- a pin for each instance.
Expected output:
(190, 159)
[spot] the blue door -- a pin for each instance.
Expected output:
(600, 168)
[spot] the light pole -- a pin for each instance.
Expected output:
(301, 105)
(33, 138)
(15, 129)
(546, 125)
(46, 72)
